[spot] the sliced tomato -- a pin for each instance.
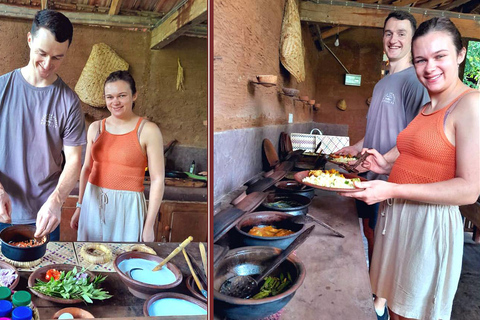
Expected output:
(52, 273)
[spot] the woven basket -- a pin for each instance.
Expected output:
(292, 53)
(101, 62)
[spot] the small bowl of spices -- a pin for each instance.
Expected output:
(19, 243)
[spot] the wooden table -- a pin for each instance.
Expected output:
(123, 304)
(337, 285)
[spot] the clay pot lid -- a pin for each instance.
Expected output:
(251, 201)
(225, 220)
(270, 153)
(264, 184)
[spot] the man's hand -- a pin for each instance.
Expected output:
(148, 234)
(48, 218)
(5, 207)
(74, 220)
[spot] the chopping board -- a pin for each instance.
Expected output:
(177, 182)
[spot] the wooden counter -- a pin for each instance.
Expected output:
(337, 285)
(123, 304)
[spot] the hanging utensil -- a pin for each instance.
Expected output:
(174, 253)
(244, 286)
(199, 285)
(203, 254)
(303, 219)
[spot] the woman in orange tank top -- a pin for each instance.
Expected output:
(111, 204)
(418, 249)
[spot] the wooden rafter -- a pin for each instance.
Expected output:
(83, 18)
(431, 4)
(374, 17)
(333, 31)
(115, 7)
(453, 5)
(190, 14)
(404, 3)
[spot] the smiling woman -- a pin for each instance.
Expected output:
(112, 205)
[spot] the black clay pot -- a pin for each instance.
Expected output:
(251, 261)
(279, 220)
(293, 187)
(292, 204)
(17, 233)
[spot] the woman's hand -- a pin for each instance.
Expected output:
(376, 162)
(75, 218)
(375, 191)
(148, 234)
(348, 150)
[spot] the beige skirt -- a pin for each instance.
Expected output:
(417, 258)
(111, 215)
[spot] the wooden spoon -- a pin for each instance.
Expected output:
(174, 253)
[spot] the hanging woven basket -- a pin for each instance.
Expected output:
(101, 62)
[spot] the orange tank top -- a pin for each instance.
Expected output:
(118, 161)
(426, 155)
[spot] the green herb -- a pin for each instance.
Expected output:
(73, 285)
(273, 286)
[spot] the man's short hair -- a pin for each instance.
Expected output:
(55, 22)
(402, 15)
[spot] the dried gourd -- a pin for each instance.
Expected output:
(141, 248)
(96, 253)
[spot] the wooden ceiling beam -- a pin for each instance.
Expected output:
(431, 4)
(84, 18)
(115, 7)
(333, 31)
(356, 16)
(404, 3)
(191, 14)
(453, 5)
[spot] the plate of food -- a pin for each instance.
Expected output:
(338, 158)
(67, 284)
(330, 180)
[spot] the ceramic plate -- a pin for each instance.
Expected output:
(299, 176)
(40, 275)
(5, 265)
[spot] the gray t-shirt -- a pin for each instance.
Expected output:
(396, 100)
(35, 124)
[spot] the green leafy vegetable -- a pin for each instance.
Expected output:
(273, 286)
(73, 285)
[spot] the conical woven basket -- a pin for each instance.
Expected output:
(101, 62)
(291, 46)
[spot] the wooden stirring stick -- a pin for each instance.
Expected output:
(174, 253)
(203, 253)
(199, 284)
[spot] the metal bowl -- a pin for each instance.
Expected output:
(301, 203)
(277, 219)
(140, 289)
(251, 261)
(21, 232)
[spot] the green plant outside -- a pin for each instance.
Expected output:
(471, 75)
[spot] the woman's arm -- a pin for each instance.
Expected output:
(463, 129)
(85, 173)
(151, 138)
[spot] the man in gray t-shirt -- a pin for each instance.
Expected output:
(39, 116)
